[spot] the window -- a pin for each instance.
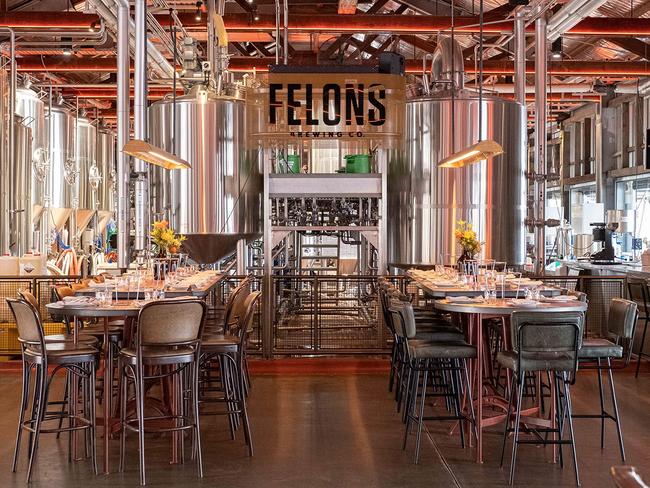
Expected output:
(633, 194)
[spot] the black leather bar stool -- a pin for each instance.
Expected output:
(542, 342)
(167, 345)
(38, 355)
(445, 361)
(621, 325)
(639, 291)
(230, 349)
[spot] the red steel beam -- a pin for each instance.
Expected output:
(411, 24)
(62, 64)
(47, 20)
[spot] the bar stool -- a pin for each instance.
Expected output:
(542, 342)
(621, 325)
(447, 360)
(31, 299)
(639, 292)
(230, 349)
(37, 355)
(167, 344)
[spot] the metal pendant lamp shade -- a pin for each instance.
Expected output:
(483, 149)
(154, 155)
(473, 154)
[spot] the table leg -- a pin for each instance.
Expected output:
(478, 329)
(72, 399)
(108, 380)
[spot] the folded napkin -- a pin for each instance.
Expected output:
(561, 298)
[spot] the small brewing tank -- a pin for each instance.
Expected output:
(218, 201)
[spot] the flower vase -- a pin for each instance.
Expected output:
(464, 257)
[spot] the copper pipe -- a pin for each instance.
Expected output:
(44, 20)
(239, 64)
(500, 67)
(410, 24)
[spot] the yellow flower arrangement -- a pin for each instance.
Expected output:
(164, 239)
(467, 238)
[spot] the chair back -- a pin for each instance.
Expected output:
(232, 298)
(60, 292)
(622, 318)
(639, 292)
(580, 295)
(548, 336)
(243, 324)
(28, 323)
(171, 323)
(235, 306)
(28, 297)
(403, 319)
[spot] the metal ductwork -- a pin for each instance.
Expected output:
(158, 61)
(569, 15)
(448, 63)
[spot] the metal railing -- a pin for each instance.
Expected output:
(41, 287)
(326, 315)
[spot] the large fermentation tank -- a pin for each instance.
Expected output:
(5, 167)
(105, 164)
(61, 153)
(31, 109)
(85, 158)
(20, 221)
(105, 161)
(218, 201)
(425, 202)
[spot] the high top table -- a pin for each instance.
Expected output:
(120, 308)
(500, 308)
(208, 284)
(430, 288)
(115, 309)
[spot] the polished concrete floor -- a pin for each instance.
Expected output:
(341, 430)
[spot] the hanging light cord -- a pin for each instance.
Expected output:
(453, 87)
(480, 73)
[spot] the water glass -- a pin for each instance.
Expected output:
(148, 295)
(100, 296)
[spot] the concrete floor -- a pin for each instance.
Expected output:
(340, 431)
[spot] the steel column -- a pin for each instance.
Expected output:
(140, 126)
(123, 170)
(541, 54)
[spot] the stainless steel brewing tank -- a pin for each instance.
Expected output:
(85, 157)
(31, 108)
(62, 162)
(221, 194)
(20, 217)
(105, 159)
(425, 203)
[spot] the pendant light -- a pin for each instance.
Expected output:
(154, 155)
(483, 149)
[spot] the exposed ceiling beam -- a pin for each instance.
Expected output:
(632, 45)
(336, 45)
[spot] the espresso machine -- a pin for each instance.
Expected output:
(603, 232)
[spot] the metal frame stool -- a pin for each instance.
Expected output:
(621, 325)
(79, 362)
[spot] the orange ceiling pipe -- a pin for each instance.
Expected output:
(498, 67)
(411, 24)
(47, 20)
(64, 64)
